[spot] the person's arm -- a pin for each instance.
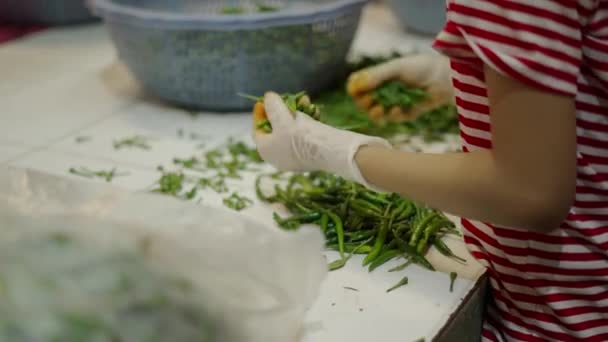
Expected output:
(527, 180)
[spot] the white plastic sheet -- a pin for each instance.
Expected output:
(253, 282)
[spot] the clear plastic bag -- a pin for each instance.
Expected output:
(98, 263)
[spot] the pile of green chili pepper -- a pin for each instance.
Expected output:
(356, 220)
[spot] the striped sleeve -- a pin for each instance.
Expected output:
(538, 42)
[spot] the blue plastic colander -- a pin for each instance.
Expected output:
(47, 12)
(422, 16)
(189, 53)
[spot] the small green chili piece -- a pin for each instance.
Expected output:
(402, 282)
(339, 230)
(237, 202)
(453, 276)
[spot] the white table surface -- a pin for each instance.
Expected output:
(65, 83)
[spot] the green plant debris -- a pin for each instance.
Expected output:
(237, 202)
(210, 170)
(396, 94)
(339, 263)
(182, 134)
(82, 139)
(170, 183)
(107, 175)
(136, 141)
(217, 184)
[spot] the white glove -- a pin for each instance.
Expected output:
(429, 71)
(299, 143)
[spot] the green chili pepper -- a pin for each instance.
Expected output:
(361, 235)
(431, 229)
(339, 230)
(402, 282)
(384, 258)
(399, 209)
(341, 262)
(365, 206)
(406, 212)
(375, 198)
(360, 209)
(297, 220)
(382, 235)
(336, 264)
(350, 249)
(323, 223)
(445, 250)
(419, 228)
(422, 261)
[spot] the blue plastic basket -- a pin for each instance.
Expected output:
(46, 12)
(423, 16)
(188, 53)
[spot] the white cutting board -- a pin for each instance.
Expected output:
(65, 83)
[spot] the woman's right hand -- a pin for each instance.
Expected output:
(429, 71)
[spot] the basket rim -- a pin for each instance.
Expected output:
(111, 11)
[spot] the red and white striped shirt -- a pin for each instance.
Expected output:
(546, 287)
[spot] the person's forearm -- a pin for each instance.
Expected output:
(464, 184)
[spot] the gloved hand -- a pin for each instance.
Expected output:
(429, 71)
(299, 143)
